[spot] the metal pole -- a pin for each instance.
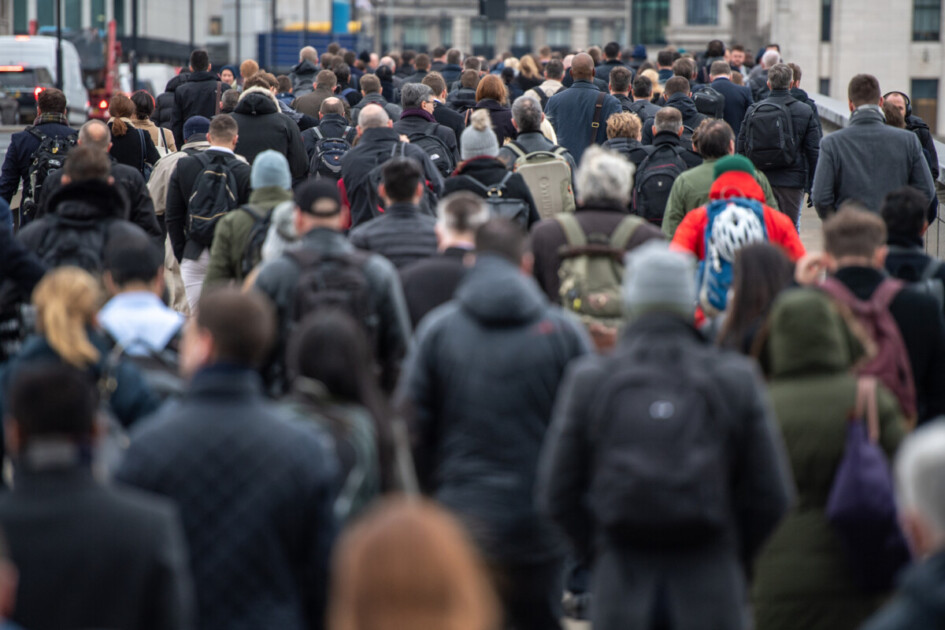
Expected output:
(59, 44)
(627, 20)
(272, 40)
(193, 39)
(133, 55)
(239, 31)
(305, 19)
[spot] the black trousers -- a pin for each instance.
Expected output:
(531, 594)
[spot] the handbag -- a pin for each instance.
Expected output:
(861, 506)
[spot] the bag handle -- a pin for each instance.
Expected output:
(867, 408)
(598, 109)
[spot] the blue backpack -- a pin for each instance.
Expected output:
(732, 224)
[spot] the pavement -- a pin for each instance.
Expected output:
(811, 232)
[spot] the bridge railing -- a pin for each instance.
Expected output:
(835, 115)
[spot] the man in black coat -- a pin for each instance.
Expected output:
(611, 61)
(89, 555)
(679, 97)
(377, 143)
(480, 382)
(199, 96)
(331, 124)
(140, 206)
(668, 130)
(431, 282)
(164, 102)
(917, 126)
(789, 182)
(904, 213)
(737, 97)
(255, 488)
(303, 73)
(417, 117)
(443, 113)
(262, 126)
(452, 68)
(404, 234)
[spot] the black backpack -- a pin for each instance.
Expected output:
(434, 147)
(660, 468)
(375, 176)
(160, 369)
(515, 210)
(146, 167)
(215, 193)
(252, 252)
(326, 161)
(75, 243)
(638, 108)
(49, 156)
(769, 135)
(653, 181)
(334, 281)
(710, 102)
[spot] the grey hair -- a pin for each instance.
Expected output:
(462, 213)
(604, 176)
(413, 95)
(387, 61)
(920, 469)
(780, 76)
(770, 58)
(526, 110)
(95, 133)
(230, 99)
(668, 119)
(372, 116)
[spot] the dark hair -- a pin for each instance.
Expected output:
(795, 72)
(144, 104)
(684, 67)
(120, 107)
(342, 73)
(894, 117)
(86, 163)
(52, 101)
(53, 398)
(469, 79)
(132, 259)
(715, 48)
(200, 60)
(285, 83)
(401, 176)
(223, 127)
(438, 51)
(665, 57)
(472, 63)
(620, 79)
(712, 138)
(863, 90)
(371, 84)
(760, 273)
(454, 56)
(853, 231)
(330, 347)
(383, 73)
(334, 48)
(326, 79)
(554, 69)
(462, 211)
(737, 47)
(676, 85)
(350, 57)
(243, 325)
(504, 238)
(435, 82)
(422, 62)
(407, 57)
(612, 50)
(904, 211)
(642, 87)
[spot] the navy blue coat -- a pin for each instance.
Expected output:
(16, 165)
(571, 113)
(737, 100)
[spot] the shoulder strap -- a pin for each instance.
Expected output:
(573, 232)
(468, 112)
(500, 187)
(318, 134)
(251, 211)
(559, 151)
(866, 406)
(598, 110)
(515, 148)
(886, 292)
(624, 232)
(931, 270)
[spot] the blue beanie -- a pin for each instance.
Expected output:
(639, 51)
(270, 168)
(196, 126)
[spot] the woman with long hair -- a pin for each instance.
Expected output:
(67, 300)
(492, 96)
(161, 138)
(330, 367)
(760, 273)
(529, 76)
(408, 565)
(130, 146)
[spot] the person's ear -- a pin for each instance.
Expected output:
(679, 132)
(382, 192)
(852, 108)
(110, 285)
(209, 67)
(66, 180)
(9, 580)
(13, 435)
(653, 129)
(731, 147)
(390, 123)
(360, 130)
(527, 264)
(111, 180)
(879, 256)
(925, 228)
(418, 194)
(514, 124)
(236, 140)
(768, 83)
(881, 101)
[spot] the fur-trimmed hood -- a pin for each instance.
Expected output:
(257, 101)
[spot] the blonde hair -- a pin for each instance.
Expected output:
(408, 564)
(480, 120)
(528, 67)
(654, 78)
(624, 125)
(66, 302)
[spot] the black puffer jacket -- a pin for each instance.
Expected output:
(918, 126)
(690, 115)
(262, 126)
(404, 234)
(164, 103)
(303, 77)
(462, 99)
(481, 380)
(489, 171)
(199, 96)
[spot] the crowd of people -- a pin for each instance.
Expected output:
(435, 341)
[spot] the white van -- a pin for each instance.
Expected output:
(28, 63)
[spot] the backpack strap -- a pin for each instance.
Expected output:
(516, 148)
(559, 151)
(886, 292)
(318, 134)
(598, 111)
(573, 233)
(253, 212)
(624, 232)
(346, 133)
(866, 407)
(500, 187)
(931, 270)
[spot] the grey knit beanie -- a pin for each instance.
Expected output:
(659, 279)
(478, 139)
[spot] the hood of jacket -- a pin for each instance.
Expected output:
(479, 164)
(305, 67)
(203, 75)
(496, 293)
(492, 105)
(684, 104)
(257, 101)
(91, 199)
(736, 184)
(175, 82)
(375, 97)
(799, 95)
(808, 335)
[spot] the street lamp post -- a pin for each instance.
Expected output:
(133, 55)
(59, 44)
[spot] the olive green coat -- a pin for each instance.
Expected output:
(801, 579)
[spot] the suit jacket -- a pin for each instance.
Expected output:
(737, 100)
(94, 556)
(571, 113)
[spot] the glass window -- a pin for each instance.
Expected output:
(46, 13)
(927, 20)
(482, 33)
(702, 12)
(826, 19)
(559, 33)
(387, 32)
(620, 32)
(521, 34)
(216, 25)
(825, 87)
(118, 13)
(415, 34)
(596, 34)
(446, 32)
(98, 14)
(925, 101)
(19, 17)
(72, 17)
(650, 18)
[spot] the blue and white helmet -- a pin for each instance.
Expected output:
(733, 228)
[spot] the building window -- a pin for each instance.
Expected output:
(73, 14)
(825, 87)
(415, 34)
(702, 12)
(98, 14)
(559, 33)
(650, 18)
(596, 34)
(620, 32)
(118, 14)
(446, 32)
(46, 13)
(521, 39)
(387, 32)
(826, 19)
(19, 17)
(482, 35)
(925, 101)
(216, 25)
(927, 20)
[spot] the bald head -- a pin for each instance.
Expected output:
(373, 116)
(582, 67)
(95, 134)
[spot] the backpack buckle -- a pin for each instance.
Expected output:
(494, 192)
(595, 125)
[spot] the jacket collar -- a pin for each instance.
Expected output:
(203, 75)
(602, 206)
(374, 97)
(666, 137)
(403, 209)
(867, 115)
(491, 104)
(223, 380)
(660, 323)
(91, 199)
(904, 240)
(417, 113)
(584, 84)
(269, 196)
(326, 240)
(478, 163)
(378, 135)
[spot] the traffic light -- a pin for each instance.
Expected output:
(493, 9)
